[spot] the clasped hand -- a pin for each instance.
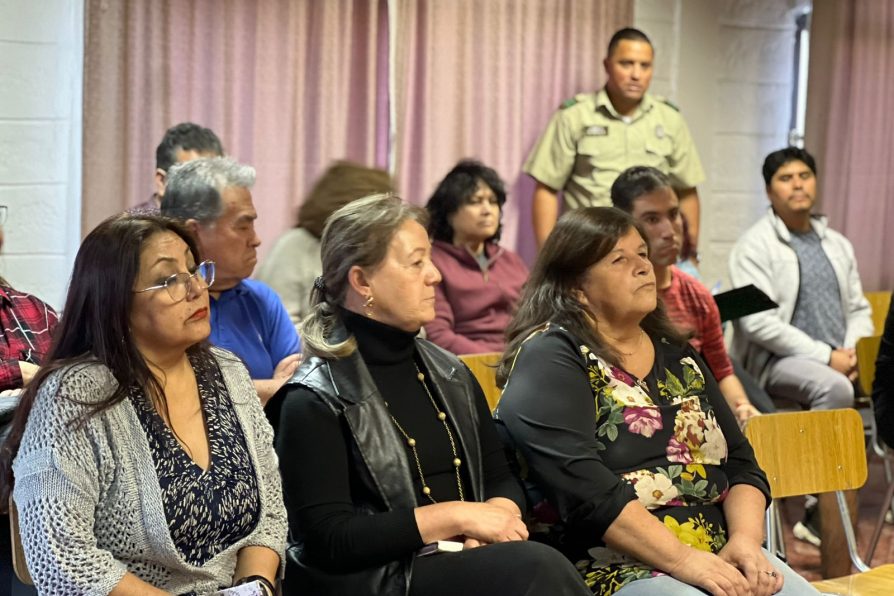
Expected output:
(739, 569)
(487, 523)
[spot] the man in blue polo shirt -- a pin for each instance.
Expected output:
(213, 196)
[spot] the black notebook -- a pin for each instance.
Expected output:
(741, 302)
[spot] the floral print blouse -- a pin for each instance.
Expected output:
(590, 437)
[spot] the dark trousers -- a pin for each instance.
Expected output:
(9, 583)
(503, 569)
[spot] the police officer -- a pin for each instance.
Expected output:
(594, 137)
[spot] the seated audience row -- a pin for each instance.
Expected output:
(412, 455)
(141, 459)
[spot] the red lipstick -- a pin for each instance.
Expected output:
(199, 314)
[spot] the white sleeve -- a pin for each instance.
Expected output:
(766, 328)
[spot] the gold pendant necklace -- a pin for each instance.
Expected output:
(411, 442)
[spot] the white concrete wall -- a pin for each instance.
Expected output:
(728, 65)
(41, 73)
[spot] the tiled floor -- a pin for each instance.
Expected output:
(805, 558)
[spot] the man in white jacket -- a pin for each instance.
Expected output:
(803, 350)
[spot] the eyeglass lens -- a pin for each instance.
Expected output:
(178, 284)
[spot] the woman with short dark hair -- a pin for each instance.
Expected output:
(482, 280)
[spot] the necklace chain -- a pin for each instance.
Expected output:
(411, 442)
(639, 342)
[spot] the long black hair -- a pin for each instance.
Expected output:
(95, 326)
(581, 238)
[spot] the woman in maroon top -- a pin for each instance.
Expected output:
(482, 281)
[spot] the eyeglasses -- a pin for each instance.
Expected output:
(178, 285)
(4, 210)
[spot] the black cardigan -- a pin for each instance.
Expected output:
(883, 386)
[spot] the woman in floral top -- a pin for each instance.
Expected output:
(642, 475)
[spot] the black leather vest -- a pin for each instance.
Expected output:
(347, 388)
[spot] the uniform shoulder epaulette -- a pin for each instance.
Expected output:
(580, 97)
(667, 102)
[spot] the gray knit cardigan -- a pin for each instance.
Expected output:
(89, 501)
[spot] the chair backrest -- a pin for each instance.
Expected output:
(880, 302)
(484, 367)
(867, 354)
(18, 554)
(809, 452)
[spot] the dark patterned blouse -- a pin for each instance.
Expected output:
(593, 438)
(207, 510)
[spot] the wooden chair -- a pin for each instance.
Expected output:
(18, 554)
(484, 367)
(819, 451)
(878, 582)
(867, 353)
(880, 302)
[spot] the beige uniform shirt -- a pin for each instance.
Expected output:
(587, 144)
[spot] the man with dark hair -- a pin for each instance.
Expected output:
(803, 350)
(595, 136)
(183, 142)
(213, 197)
(646, 194)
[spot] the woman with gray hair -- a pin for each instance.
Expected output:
(412, 457)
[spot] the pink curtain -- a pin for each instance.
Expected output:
(288, 87)
(850, 127)
(291, 85)
(480, 78)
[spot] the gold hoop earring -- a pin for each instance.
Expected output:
(368, 305)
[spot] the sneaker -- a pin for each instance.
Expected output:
(808, 530)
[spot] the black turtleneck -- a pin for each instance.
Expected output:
(390, 355)
(316, 465)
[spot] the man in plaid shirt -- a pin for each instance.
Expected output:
(27, 325)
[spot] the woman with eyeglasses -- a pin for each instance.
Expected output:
(143, 462)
